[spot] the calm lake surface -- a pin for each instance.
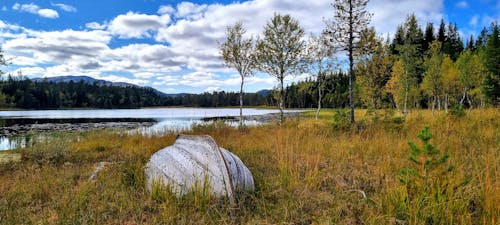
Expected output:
(152, 113)
(163, 119)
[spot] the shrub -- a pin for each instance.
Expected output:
(341, 119)
(50, 154)
(457, 110)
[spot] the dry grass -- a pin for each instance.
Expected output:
(306, 172)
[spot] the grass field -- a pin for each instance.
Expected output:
(306, 172)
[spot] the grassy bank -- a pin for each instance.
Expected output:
(307, 171)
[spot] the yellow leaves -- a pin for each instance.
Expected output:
(394, 85)
(450, 76)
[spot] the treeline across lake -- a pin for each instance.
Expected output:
(20, 92)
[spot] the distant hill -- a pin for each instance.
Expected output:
(176, 95)
(264, 92)
(85, 79)
(90, 80)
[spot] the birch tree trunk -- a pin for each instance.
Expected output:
(282, 98)
(241, 101)
(320, 95)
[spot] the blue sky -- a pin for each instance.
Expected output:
(172, 45)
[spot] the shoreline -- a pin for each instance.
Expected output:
(22, 129)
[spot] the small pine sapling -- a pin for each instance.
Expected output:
(429, 181)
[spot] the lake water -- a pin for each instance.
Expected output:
(164, 119)
(150, 113)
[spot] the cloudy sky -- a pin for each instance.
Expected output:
(172, 45)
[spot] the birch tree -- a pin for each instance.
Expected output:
(238, 53)
(395, 86)
(278, 53)
(319, 59)
(374, 70)
(432, 83)
(350, 19)
(451, 81)
(408, 78)
(470, 75)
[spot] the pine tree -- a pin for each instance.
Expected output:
(350, 19)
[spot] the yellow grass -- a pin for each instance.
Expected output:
(306, 172)
(8, 156)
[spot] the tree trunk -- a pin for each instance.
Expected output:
(439, 103)
(351, 61)
(405, 103)
(469, 101)
(446, 102)
(463, 97)
(407, 87)
(281, 104)
(241, 102)
(433, 105)
(320, 95)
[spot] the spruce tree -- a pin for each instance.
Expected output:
(481, 40)
(428, 37)
(399, 39)
(491, 85)
(470, 44)
(442, 32)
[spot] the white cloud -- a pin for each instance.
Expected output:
(212, 89)
(133, 25)
(4, 8)
(24, 61)
(30, 71)
(48, 13)
(474, 20)
(116, 78)
(388, 14)
(462, 4)
(144, 75)
(190, 10)
(35, 9)
(64, 7)
(166, 9)
(60, 46)
(95, 26)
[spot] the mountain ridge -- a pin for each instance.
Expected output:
(91, 80)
